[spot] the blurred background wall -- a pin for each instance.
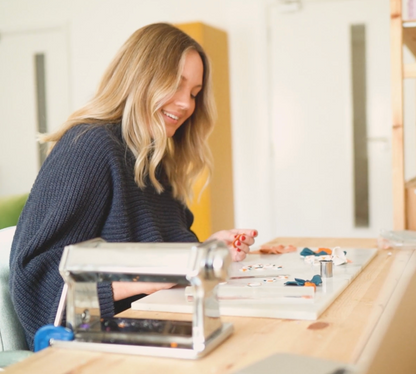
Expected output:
(291, 94)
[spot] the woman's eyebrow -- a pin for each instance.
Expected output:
(186, 79)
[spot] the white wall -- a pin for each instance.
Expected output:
(97, 28)
(312, 127)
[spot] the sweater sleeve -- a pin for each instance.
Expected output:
(68, 204)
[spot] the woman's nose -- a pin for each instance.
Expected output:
(183, 99)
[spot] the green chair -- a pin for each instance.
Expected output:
(10, 209)
(13, 347)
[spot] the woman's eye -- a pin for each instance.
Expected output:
(194, 95)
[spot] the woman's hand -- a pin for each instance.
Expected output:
(121, 290)
(237, 240)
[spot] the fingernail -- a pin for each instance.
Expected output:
(235, 236)
(238, 250)
(237, 243)
(255, 233)
(243, 238)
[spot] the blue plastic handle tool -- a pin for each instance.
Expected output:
(44, 335)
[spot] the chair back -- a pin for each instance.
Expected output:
(12, 337)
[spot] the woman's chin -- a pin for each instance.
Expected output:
(170, 131)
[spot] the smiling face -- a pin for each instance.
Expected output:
(182, 104)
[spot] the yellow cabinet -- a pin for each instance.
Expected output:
(214, 211)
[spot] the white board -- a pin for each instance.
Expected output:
(273, 300)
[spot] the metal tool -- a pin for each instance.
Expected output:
(326, 268)
(260, 276)
(85, 265)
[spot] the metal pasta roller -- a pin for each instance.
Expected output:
(202, 265)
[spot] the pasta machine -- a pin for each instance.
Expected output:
(86, 265)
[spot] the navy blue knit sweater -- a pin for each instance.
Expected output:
(85, 189)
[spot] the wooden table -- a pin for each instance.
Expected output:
(340, 333)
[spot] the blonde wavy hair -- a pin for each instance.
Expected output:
(144, 75)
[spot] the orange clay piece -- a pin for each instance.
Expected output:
(327, 250)
(174, 345)
(276, 249)
(237, 239)
(310, 284)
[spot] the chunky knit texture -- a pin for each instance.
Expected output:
(85, 189)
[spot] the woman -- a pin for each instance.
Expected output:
(121, 168)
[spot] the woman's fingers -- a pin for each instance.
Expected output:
(238, 241)
(238, 256)
(244, 239)
(242, 242)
